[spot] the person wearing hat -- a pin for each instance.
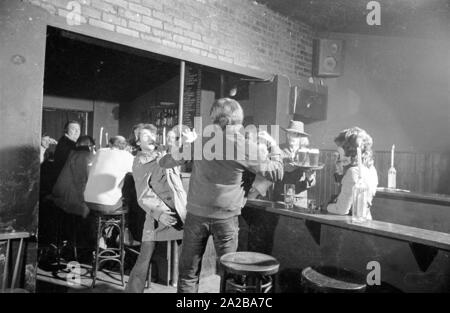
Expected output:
(297, 138)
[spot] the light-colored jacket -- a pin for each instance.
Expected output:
(343, 204)
(166, 190)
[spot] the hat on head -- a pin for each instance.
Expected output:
(296, 127)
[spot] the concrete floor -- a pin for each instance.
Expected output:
(107, 281)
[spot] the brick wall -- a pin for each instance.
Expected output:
(238, 32)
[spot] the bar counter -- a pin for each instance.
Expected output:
(412, 259)
(422, 210)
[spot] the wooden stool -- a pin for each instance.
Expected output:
(328, 279)
(115, 220)
(248, 272)
(7, 239)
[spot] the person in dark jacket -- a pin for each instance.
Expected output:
(69, 188)
(67, 195)
(66, 143)
(216, 194)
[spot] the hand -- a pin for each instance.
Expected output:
(289, 167)
(310, 174)
(189, 136)
(265, 136)
(167, 219)
(46, 141)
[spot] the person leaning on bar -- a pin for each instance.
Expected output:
(355, 137)
(216, 196)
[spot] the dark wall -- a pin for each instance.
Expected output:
(139, 110)
(22, 34)
(22, 48)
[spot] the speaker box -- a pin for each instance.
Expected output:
(309, 105)
(328, 60)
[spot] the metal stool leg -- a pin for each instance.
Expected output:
(223, 280)
(174, 263)
(97, 249)
(121, 246)
(258, 284)
(169, 261)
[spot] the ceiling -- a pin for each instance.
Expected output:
(418, 18)
(87, 68)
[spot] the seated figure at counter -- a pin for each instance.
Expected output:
(69, 188)
(103, 191)
(341, 160)
(355, 137)
(216, 196)
(160, 193)
(296, 139)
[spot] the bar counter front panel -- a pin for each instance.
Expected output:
(288, 239)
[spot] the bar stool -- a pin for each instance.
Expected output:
(329, 279)
(248, 272)
(116, 220)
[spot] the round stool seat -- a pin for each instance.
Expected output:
(333, 279)
(113, 213)
(247, 263)
(248, 272)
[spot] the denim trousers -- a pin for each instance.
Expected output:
(197, 230)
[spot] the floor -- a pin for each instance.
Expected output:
(59, 281)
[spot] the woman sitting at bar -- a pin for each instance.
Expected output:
(355, 137)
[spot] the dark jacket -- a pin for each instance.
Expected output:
(294, 176)
(215, 187)
(69, 188)
(62, 151)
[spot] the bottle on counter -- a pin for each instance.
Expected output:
(392, 173)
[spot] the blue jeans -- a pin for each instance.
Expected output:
(197, 230)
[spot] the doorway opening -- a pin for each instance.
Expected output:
(108, 88)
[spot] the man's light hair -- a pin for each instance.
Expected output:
(226, 111)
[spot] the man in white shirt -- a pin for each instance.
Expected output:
(104, 186)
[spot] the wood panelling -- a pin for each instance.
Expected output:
(418, 172)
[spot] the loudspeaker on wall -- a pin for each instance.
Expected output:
(328, 57)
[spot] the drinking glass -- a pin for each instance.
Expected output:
(311, 206)
(289, 195)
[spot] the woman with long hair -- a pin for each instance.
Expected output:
(355, 138)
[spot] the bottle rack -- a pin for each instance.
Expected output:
(163, 117)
